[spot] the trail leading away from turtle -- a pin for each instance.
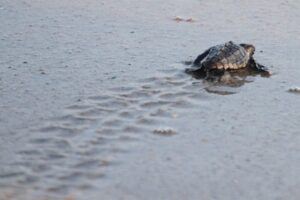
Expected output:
(95, 102)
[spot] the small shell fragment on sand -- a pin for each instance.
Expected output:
(180, 19)
(165, 131)
(294, 90)
(190, 20)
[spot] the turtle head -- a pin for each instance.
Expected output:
(250, 49)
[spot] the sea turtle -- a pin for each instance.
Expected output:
(225, 57)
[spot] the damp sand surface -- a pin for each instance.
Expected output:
(95, 102)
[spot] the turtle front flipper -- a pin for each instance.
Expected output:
(261, 68)
(197, 72)
(192, 70)
(197, 69)
(201, 57)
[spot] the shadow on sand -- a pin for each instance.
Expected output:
(226, 82)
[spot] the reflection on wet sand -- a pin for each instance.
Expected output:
(226, 82)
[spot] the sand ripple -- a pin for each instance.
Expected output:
(68, 151)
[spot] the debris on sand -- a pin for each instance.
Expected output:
(178, 19)
(165, 131)
(181, 19)
(190, 20)
(294, 90)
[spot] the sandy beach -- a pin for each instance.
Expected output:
(95, 104)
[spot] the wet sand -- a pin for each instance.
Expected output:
(95, 102)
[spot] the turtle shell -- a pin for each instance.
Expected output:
(226, 56)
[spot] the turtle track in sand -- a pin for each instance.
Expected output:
(68, 151)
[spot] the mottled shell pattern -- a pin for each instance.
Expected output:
(226, 56)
